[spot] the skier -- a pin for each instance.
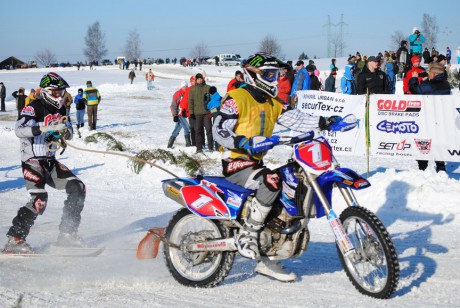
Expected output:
(243, 127)
(36, 129)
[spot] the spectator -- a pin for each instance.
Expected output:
(236, 82)
(416, 39)
(311, 64)
(433, 83)
(185, 110)
(31, 97)
(40, 168)
(301, 82)
(330, 81)
(314, 81)
(131, 76)
(360, 63)
(448, 55)
(347, 83)
(415, 68)
(92, 99)
(391, 71)
(150, 77)
(198, 111)
(284, 86)
(67, 103)
(372, 80)
(20, 99)
(2, 96)
(213, 106)
(333, 67)
(403, 59)
(80, 106)
(426, 56)
(178, 118)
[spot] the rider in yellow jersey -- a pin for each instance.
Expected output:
(244, 127)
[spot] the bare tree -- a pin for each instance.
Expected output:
(45, 57)
(270, 45)
(337, 45)
(396, 39)
(132, 47)
(430, 29)
(95, 43)
(199, 51)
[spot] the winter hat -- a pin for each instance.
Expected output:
(441, 58)
(183, 84)
(415, 59)
(415, 29)
(373, 59)
(192, 79)
(89, 83)
(334, 72)
(198, 76)
(80, 90)
(212, 90)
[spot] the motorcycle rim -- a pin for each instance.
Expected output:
(374, 267)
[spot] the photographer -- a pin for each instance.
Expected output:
(416, 39)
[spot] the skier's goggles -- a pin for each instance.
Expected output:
(270, 74)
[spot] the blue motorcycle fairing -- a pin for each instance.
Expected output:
(233, 195)
(344, 177)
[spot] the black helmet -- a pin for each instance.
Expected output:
(262, 71)
(53, 89)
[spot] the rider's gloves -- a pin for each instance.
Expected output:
(325, 123)
(50, 129)
(258, 144)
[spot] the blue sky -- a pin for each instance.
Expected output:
(173, 28)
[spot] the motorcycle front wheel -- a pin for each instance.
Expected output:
(195, 269)
(373, 268)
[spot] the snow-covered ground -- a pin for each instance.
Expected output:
(419, 208)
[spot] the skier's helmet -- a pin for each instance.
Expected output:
(53, 88)
(262, 71)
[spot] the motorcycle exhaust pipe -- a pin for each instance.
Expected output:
(172, 190)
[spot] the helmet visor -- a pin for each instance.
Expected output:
(57, 93)
(270, 74)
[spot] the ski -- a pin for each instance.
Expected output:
(55, 251)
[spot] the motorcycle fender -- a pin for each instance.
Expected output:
(342, 176)
(227, 244)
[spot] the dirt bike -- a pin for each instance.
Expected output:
(199, 240)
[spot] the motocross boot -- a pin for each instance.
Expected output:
(70, 240)
(274, 269)
(247, 240)
(16, 245)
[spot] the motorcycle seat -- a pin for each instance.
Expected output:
(223, 182)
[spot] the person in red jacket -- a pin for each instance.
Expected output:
(183, 106)
(236, 82)
(284, 86)
(415, 68)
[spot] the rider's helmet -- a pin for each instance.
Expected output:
(53, 88)
(262, 71)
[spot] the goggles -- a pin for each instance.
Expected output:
(270, 74)
(57, 92)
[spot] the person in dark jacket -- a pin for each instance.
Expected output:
(315, 84)
(80, 106)
(403, 58)
(2, 96)
(426, 56)
(372, 80)
(433, 83)
(198, 111)
(20, 99)
(330, 82)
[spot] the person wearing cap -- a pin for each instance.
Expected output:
(202, 116)
(416, 39)
(2, 96)
(20, 97)
(236, 82)
(372, 80)
(315, 84)
(80, 107)
(415, 68)
(92, 99)
(432, 83)
(31, 97)
(391, 69)
(181, 121)
(301, 82)
(150, 77)
(330, 81)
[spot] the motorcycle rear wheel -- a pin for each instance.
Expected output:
(202, 269)
(374, 267)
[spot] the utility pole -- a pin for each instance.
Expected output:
(328, 31)
(335, 38)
